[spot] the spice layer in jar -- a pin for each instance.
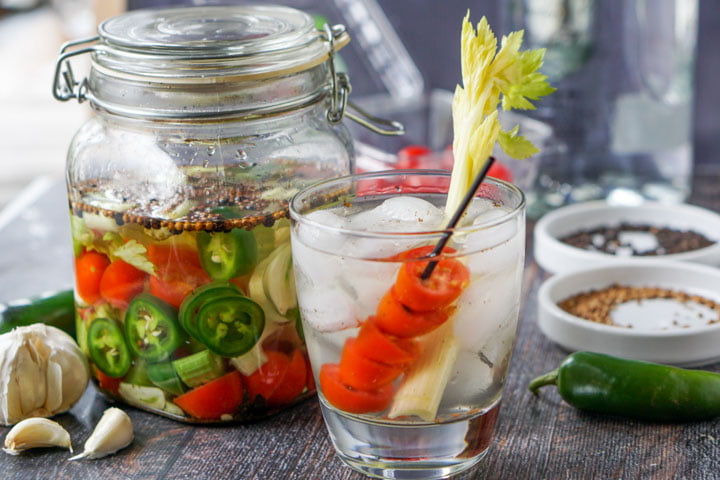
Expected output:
(179, 186)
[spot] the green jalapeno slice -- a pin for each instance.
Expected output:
(163, 375)
(193, 302)
(107, 346)
(152, 329)
(230, 326)
(225, 255)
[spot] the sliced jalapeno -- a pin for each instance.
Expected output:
(108, 348)
(225, 255)
(230, 326)
(192, 303)
(152, 329)
(163, 375)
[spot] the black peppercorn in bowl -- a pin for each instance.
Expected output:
(664, 312)
(596, 234)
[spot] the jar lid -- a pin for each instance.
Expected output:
(203, 43)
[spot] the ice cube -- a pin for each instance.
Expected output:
(488, 305)
(471, 382)
(325, 238)
(314, 267)
(367, 282)
(400, 213)
(328, 309)
(507, 256)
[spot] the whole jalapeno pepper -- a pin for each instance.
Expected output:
(107, 347)
(55, 309)
(152, 329)
(629, 388)
(225, 255)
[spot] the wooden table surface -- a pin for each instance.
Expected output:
(537, 437)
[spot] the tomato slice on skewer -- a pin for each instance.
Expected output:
(377, 345)
(396, 319)
(361, 373)
(444, 286)
(348, 399)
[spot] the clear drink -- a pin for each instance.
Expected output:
(409, 371)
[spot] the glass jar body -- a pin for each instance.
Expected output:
(185, 296)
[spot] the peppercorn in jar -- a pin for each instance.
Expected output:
(206, 121)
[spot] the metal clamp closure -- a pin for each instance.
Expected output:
(65, 86)
(341, 89)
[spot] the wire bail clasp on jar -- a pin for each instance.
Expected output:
(63, 71)
(341, 89)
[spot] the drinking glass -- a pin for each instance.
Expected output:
(410, 368)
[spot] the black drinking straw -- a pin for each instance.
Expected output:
(456, 218)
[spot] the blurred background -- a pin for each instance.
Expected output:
(420, 40)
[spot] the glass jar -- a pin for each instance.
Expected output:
(206, 121)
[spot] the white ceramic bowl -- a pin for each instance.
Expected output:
(685, 346)
(555, 256)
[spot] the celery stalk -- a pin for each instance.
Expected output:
(490, 77)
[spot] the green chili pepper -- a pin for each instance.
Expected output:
(163, 375)
(192, 303)
(230, 326)
(225, 255)
(152, 329)
(107, 346)
(55, 309)
(645, 391)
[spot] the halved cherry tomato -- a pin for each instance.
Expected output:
(293, 383)
(443, 287)
(89, 269)
(178, 272)
(107, 382)
(214, 399)
(377, 345)
(395, 318)
(361, 373)
(348, 399)
(266, 379)
(120, 283)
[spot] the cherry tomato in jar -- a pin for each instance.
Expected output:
(120, 283)
(293, 383)
(266, 379)
(89, 269)
(219, 397)
(178, 271)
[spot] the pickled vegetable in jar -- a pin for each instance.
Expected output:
(206, 121)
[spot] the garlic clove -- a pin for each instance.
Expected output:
(34, 433)
(113, 432)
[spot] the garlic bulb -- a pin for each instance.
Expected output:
(42, 372)
(113, 432)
